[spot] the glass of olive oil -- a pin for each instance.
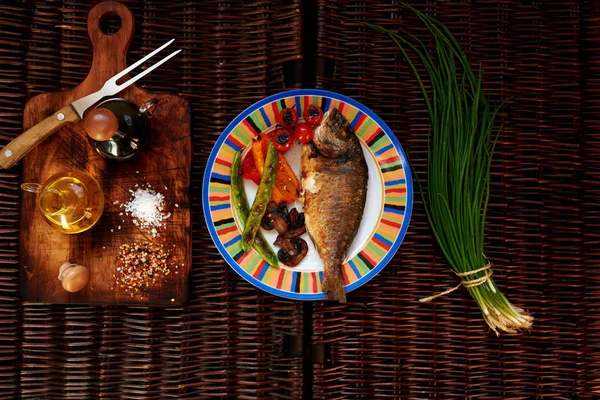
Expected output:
(71, 201)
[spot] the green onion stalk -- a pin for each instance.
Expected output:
(461, 145)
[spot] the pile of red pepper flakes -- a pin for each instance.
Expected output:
(141, 265)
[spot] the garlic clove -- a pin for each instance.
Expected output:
(63, 268)
(74, 277)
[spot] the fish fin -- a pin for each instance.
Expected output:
(333, 285)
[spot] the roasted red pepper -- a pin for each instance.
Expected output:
(248, 168)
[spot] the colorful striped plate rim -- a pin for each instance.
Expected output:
(377, 251)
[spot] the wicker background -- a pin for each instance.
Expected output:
(232, 340)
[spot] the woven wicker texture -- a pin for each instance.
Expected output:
(542, 222)
(233, 341)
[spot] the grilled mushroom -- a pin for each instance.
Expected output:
(294, 232)
(286, 245)
(275, 217)
(279, 222)
(300, 248)
(295, 218)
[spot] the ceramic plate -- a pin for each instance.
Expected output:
(387, 210)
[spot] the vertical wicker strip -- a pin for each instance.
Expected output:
(231, 340)
(590, 184)
(14, 27)
(530, 53)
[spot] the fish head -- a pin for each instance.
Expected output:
(333, 136)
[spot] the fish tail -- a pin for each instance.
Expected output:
(333, 284)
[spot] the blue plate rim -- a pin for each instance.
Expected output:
(213, 154)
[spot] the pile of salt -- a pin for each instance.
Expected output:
(146, 208)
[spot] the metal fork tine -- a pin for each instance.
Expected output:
(147, 71)
(111, 87)
(138, 63)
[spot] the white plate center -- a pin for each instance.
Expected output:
(370, 220)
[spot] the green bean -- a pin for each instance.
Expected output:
(237, 188)
(263, 195)
(240, 201)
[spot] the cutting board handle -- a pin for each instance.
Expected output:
(110, 50)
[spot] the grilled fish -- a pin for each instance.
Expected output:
(334, 181)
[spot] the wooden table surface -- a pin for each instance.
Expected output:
(232, 340)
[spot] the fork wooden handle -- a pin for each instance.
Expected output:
(24, 143)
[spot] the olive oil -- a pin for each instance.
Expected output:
(71, 201)
(132, 133)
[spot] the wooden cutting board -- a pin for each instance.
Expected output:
(165, 164)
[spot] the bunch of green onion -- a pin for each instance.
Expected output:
(460, 153)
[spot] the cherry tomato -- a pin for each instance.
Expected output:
(283, 139)
(288, 118)
(303, 132)
(248, 168)
(313, 114)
